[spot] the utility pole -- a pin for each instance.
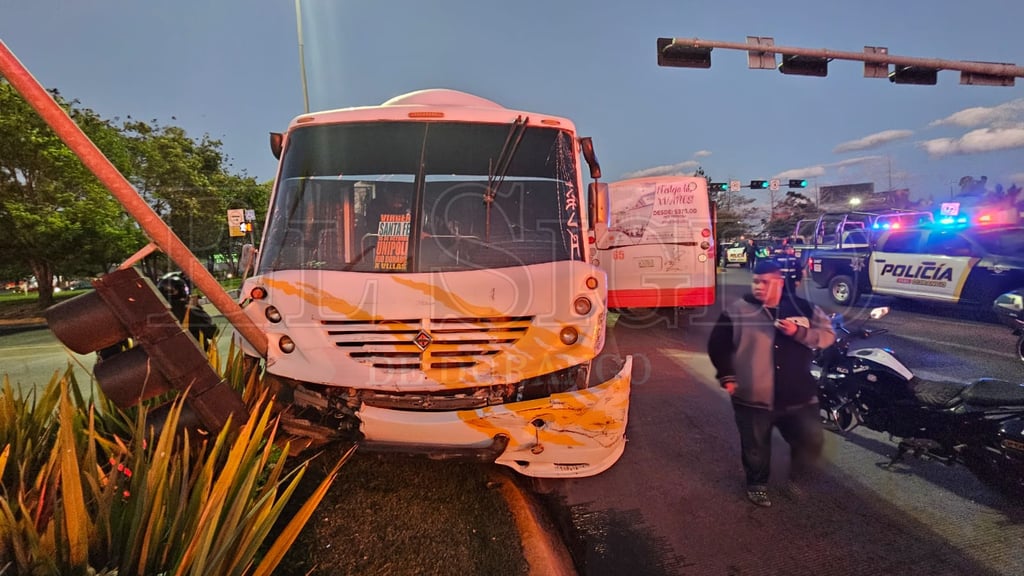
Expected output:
(302, 56)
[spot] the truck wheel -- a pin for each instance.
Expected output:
(1020, 347)
(843, 290)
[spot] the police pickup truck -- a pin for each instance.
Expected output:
(936, 263)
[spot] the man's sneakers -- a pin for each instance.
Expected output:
(759, 496)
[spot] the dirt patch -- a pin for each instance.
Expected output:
(389, 515)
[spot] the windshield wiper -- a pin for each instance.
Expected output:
(498, 170)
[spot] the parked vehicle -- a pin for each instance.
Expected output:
(979, 425)
(1009, 308)
(736, 253)
(842, 230)
(936, 263)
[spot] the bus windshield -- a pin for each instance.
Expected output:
(423, 196)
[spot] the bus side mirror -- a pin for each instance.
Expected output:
(587, 145)
(248, 259)
(598, 203)
(276, 144)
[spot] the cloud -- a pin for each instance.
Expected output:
(873, 140)
(1008, 113)
(809, 172)
(976, 142)
(702, 153)
(821, 169)
(857, 160)
(686, 167)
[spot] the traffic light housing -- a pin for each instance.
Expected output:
(165, 357)
(719, 186)
(678, 56)
(804, 65)
(798, 183)
(758, 184)
(914, 75)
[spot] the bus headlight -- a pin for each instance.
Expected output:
(569, 335)
(272, 314)
(286, 344)
(582, 305)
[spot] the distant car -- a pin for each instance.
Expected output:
(736, 253)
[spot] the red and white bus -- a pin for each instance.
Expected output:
(658, 245)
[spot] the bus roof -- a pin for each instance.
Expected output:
(436, 104)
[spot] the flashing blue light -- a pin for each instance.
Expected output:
(961, 220)
(947, 220)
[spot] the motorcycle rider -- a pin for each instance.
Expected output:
(179, 295)
(762, 346)
(176, 291)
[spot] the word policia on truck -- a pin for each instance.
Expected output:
(426, 281)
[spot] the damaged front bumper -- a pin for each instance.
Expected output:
(565, 435)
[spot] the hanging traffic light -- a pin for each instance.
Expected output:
(758, 184)
(719, 186)
(679, 56)
(804, 65)
(165, 357)
(798, 183)
(914, 75)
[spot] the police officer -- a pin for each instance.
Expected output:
(789, 264)
(751, 251)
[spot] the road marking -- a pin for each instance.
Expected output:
(976, 349)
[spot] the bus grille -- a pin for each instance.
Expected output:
(440, 343)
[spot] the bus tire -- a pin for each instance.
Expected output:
(843, 290)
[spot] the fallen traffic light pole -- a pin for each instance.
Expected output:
(125, 304)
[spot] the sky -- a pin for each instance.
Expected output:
(231, 69)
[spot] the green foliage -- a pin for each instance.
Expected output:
(59, 220)
(56, 216)
(88, 489)
(793, 207)
(736, 212)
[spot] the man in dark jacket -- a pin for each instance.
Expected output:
(790, 266)
(762, 347)
(751, 251)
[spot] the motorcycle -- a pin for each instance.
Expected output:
(1009, 308)
(978, 425)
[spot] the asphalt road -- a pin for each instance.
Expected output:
(674, 503)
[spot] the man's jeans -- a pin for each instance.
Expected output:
(800, 427)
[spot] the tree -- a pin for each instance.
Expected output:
(186, 181)
(795, 206)
(57, 217)
(735, 211)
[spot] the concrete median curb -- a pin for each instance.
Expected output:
(543, 548)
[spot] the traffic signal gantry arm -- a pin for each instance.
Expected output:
(157, 230)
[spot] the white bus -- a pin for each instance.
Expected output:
(426, 285)
(659, 244)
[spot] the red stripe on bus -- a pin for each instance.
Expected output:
(660, 297)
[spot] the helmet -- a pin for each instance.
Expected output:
(174, 289)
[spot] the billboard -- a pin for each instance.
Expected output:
(839, 196)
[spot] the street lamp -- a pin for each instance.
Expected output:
(855, 202)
